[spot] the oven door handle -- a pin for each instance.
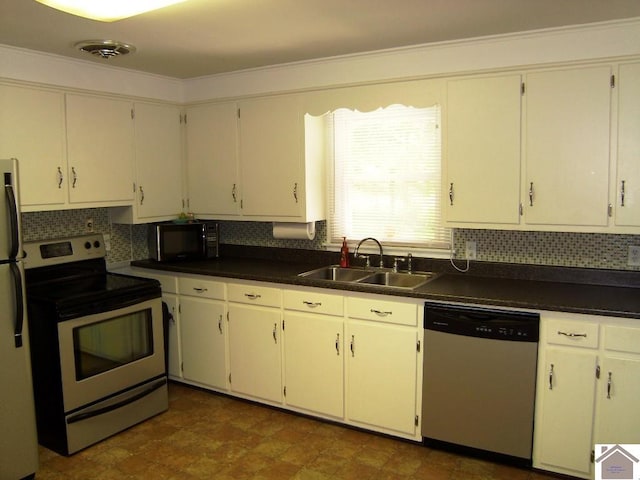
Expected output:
(100, 411)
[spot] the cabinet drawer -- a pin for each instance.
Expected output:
(621, 339)
(255, 295)
(201, 287)
(573, 333)
(383, 311)
(313, 302)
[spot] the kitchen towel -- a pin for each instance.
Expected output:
(298, 231)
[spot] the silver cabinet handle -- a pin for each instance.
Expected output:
(353, 345)
(220, 324)
(381, 313)
(295, 192)
(312, 304)
(551, 377)
(60, 178)
(571, 334)
(200, 289)
(451, 194)
(75, 177)
(252, 296)
(622, 193)
(275, 329)
(141, 195)
(609, 382)
(233, 193)
(531, 194)
(337, 344)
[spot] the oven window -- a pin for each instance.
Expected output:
(111, 343)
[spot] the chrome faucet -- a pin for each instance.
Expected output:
(368, 264)
(397, 260)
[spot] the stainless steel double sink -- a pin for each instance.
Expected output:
(377, 277)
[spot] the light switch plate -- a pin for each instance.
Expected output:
(470, 250)
(634, 256)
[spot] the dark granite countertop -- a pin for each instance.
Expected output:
(565, 289)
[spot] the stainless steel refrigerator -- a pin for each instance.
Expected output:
(18, 438)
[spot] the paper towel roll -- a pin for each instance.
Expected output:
(298, 231)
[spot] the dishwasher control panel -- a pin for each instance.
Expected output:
(482, 322)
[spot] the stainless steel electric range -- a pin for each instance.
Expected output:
(97, 345)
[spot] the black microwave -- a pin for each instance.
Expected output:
(183, 241)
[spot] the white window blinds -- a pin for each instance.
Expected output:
(385, 180)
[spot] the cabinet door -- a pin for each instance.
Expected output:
(381, 376)
(100, 149)
(618, 393)
(158, 169)
(565, 430)
(567, 128)
(313, 353)
(212, 159)
(483, 150)
(174, 368)
(271, 155)
(255, 357)
(202, 332)
(32, 130)
(628, 178)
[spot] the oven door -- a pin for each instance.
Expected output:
(105, 353)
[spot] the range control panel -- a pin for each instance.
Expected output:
(63, 250)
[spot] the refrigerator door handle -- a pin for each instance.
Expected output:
(17, 279)
(13, 217)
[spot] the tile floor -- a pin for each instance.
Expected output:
(210, 436)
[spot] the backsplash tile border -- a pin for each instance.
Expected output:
(129, 242)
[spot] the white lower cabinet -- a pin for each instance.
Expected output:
(383, 355)
(567, 367)
(255, 336)
(203, 331)
(203, 325)
(588, 388)
(617, 417)
(567, 413)
(314, 352)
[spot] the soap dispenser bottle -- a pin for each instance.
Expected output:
(344, 253)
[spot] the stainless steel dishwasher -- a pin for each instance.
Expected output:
(479, 380)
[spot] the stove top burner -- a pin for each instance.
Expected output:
(78, 286)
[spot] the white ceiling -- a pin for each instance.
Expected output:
(205, 37)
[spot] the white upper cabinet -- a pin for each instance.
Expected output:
(566, 147)
(482, 183)
(158, 165)
(100, 149)
(281, 170)
(32, 130)
(213, 172)
(627, 203)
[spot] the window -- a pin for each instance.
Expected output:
(384, 177)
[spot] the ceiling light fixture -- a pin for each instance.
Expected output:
(108, 10)
(105, 48)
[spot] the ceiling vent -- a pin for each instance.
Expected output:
(105, 48)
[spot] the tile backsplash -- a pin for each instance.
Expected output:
(128, 242)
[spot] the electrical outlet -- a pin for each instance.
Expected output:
(634, 256)
(470, 250)
(88, 225)
(107, 241)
